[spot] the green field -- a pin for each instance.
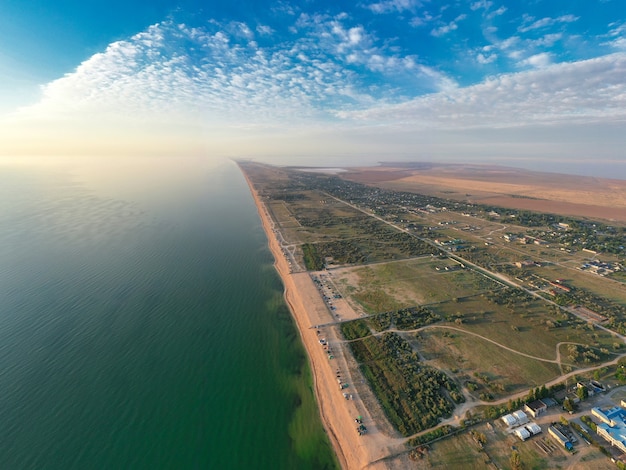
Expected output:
(528, 325)
(494, 370)
(389, 286)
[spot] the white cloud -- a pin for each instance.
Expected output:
(218, 76)
(618, 43)
(447, 28)
(500, 11)
(578, 92)
(227, 84)
(542, 59)
(421, 20)
(530, 23)
(153, 76)
(617, 35)
(509, 42)
(525, 52)
(484, 4)
(547, 40)
(389, 6)
(355, 46)
(486, 58)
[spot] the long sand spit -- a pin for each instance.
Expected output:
(337, 413)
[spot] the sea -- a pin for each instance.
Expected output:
(142, 324)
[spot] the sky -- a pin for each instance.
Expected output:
(538, 82)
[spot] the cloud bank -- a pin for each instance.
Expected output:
(239, 88)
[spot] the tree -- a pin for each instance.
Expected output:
(582, 392)
(568, 405)
(516, 461)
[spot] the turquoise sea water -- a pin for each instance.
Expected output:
(142, 324)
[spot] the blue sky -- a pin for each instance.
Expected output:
(389, 79)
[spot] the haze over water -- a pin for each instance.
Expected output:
(142, 324)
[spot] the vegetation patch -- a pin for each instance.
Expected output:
(414, 396)
(489, 371)
(413, 317)
(312, 258)
(355, 329)
(380, 322)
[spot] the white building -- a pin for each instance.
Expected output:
(520, 416)
(533, 428)
(509, 420)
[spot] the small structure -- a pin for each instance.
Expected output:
(535, 408)
(596, 386)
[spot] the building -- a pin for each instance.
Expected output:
(549, 402)
(535, 408)
(509, 420)
(560, 437)
(520, 416)
(517, 418)
(533, 428)
(613, 426)
(524, 432)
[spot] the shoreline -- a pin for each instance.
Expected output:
(308, 309)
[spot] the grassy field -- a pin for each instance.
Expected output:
(612, 290)
(531, 326)
(525, 328)
(474, 359)
(312, 217)
(457, 452)
(389, 286)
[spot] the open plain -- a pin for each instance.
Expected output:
(565, 194)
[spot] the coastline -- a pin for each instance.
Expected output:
(337, 413)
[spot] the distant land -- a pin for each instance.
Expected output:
(445, 330)
(582, 196)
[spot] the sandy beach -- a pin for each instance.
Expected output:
(338, 413)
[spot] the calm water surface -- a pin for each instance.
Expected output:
(142, 324)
